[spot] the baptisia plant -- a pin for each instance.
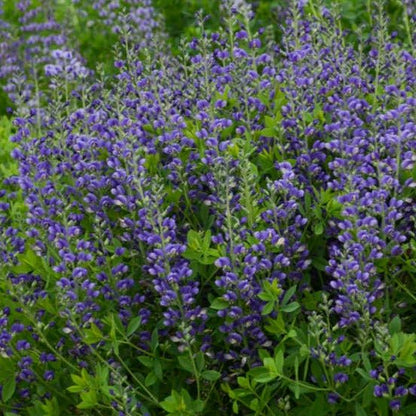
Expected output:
(228, 229)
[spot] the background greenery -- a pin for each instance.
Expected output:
(179, 20)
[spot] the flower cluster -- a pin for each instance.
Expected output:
(27, 50)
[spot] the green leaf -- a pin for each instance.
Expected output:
(292, 307)
(157, 368)
(318, 113)
(269, 122)
(304, 351)
(311, 300)
(243, 382)
(133, 325)
(289, 293)
(146, 361)
(263, 353)
(80, 381)
(150, 379)
(276, 326)
(319, 263)
(359, 411)
(207, 260)
(116, 325)
(211, 375)
(21, 268)
(35, 410)
(199, 361)
(186, 363)
(51, 407)
(266, 296)
(75, 389)
(363, 374)
(262, 375)
(174, 403)
(297, 391)
(92, 335)
(85, 376)
(207, 241)
(89, 400)
(318, 407)
(197, 406)
(308, 117)
(367, 363)
(395, 325)
(152, 162)
(254, 404)
(101, 374)
(292, 333)
(318, 229)
(367, 396)
(213, 252)
(30, 258)
(191, 254)
(279, 361)
(169, 405)
(270, 364)
(219, 303)
(403, 346)
(268, 308)
(297, 387)
(194, 240)
(268, 132)
(7, 369)
(9, 388)
(154, 341)
(86, 404)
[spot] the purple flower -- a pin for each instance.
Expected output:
(223, 262)
(412, 390)
(340, 378)
(395, 405)
(380, 390)
(22, 345)
(333, 398)
(79, 272)
(48, 375)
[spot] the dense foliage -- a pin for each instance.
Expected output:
(206, 216)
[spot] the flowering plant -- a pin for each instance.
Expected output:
(227, 228)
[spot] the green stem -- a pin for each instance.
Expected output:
(313, 10)
(126, 367)
(406, 290)
(46, 342)
(370, 16)
(40, 378)
(142, 386)
(408, 30)
(196, 372)
(229, 220)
